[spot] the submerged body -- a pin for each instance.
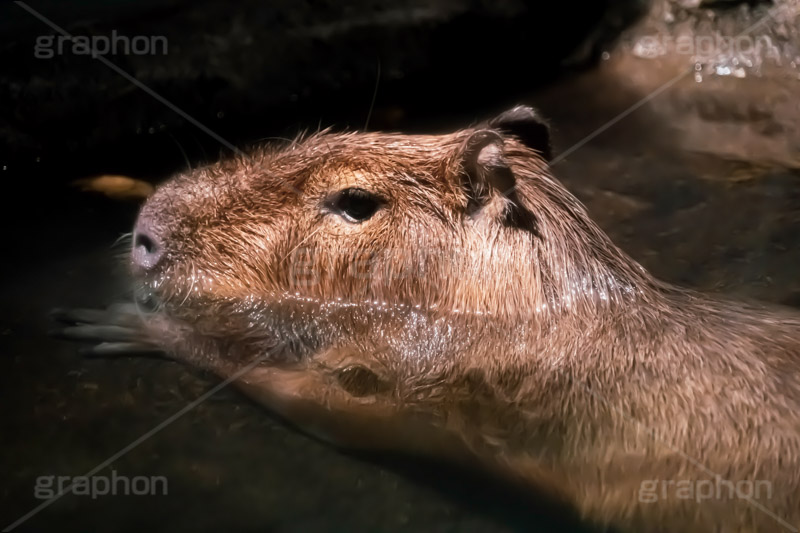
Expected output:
(444, 295)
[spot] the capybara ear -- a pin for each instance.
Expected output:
(490, 179)
(527, 125)
(485, 166)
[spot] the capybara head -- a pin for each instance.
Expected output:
(374, 272)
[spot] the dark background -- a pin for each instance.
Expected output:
(254, 70)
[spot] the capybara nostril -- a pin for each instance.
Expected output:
(147, 249)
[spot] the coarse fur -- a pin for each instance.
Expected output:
(478, 324)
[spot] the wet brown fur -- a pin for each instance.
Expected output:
(541, 351)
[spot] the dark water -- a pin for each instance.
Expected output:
(725, 219)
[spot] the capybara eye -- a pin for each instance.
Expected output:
(355, 205)
(360, 381)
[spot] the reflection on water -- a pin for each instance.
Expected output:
(701, 185)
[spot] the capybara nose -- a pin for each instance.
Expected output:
(147, 246)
